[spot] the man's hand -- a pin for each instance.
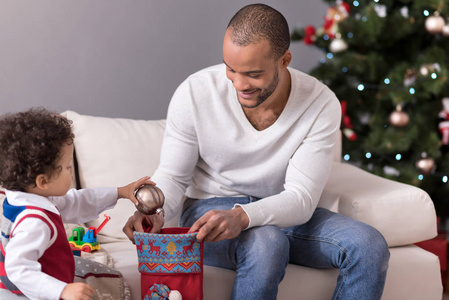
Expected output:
(127, 191)
(139, 222)
(77, 291)
(217, 225)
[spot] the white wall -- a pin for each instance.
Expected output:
(120, 58)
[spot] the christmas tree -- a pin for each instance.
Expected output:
(387, 61)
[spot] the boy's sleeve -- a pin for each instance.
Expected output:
(79, 206)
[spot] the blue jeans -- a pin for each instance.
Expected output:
(328, 240)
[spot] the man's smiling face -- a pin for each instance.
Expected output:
(253, 72)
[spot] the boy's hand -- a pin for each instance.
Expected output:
(127, 191)
(77, 291)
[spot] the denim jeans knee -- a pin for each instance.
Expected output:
(331, 240)
(262, 257)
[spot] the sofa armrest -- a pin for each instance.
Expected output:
(404, 214)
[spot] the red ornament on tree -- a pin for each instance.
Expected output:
(346, 125)
(309, 35)
(443, 126)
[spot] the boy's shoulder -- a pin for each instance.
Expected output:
(11, 212)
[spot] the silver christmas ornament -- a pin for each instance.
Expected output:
(338, 45)
(445, 30)
(434, 24)
(151, 199)
(381, 10)
(425, 165)
(399, 118)
(426, 69)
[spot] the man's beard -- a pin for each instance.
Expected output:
(266, 93)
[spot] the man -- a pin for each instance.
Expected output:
(250, 143)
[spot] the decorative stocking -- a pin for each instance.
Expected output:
(172, 258)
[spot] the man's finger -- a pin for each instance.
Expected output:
(128, 230)
(197, 225)
(134, 223)
(137, 222)
(157, 222)
(204, 232)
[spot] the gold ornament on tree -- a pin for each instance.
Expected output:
(434, 24)
(399, 118)
(425, 164)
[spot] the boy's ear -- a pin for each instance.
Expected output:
(42, 181)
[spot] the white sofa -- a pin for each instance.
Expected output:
(114, 152)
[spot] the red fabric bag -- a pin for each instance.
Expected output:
(173, 258)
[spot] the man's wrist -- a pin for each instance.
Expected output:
(242, 216)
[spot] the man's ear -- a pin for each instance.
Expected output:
(42, 181)
(286, 59)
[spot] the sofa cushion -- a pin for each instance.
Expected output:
(413, 274)
(115, 152)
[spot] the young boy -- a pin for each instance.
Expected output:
(36, 150)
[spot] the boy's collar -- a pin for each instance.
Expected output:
(22, 198)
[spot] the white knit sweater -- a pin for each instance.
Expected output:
(211, 148)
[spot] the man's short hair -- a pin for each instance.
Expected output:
(256, 22)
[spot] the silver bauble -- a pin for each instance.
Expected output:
(445, 30)
(151, 199)
(425, 165)
(399, 118)
(434, 24)
(338, 45)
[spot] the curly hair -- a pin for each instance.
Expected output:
(31, 144)
(256, 22)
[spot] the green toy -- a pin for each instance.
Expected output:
(86, 240)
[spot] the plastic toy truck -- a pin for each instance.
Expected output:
(82, 240)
